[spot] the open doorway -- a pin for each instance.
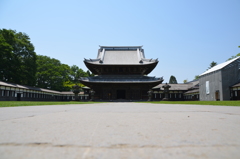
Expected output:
(121, 94)
(217, 95)
(18, 96)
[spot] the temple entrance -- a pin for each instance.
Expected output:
(121, 94)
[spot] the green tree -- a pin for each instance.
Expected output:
(51, 74)
(212, 64)
(185, 81)
(89, 74)
(172, 80)
(18, 58)
(196, 77)
(5, 57)
(74, 76)
(76, 73)
(234, 56)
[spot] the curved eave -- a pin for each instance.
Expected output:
(90, 83)
(91, 66)
(152, 66)
(103, 64)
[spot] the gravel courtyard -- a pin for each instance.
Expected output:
(120, 130)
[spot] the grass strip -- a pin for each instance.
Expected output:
(36, 103)
(220, 103)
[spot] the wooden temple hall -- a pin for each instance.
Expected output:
(120, 73)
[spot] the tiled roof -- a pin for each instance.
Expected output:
(236, 85)
(71, 93)
(181, 86)
(174, 86)
(121, 55)
(192, 91)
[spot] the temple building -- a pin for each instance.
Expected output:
(121, 73)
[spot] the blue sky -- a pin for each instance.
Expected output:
(185, 35)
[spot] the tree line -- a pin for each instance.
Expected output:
(20, 64)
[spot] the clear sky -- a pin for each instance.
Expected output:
(185, 35)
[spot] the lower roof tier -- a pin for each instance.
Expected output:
(121, 79)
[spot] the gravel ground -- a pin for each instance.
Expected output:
(120, 130)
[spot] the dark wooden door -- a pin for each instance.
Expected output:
(217, 95)
(121, 94)
(18, 96)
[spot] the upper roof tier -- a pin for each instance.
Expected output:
(121, 55)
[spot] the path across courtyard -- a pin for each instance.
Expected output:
(120, 130)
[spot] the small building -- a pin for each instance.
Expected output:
(216, 83)
(16, 92)
(178, 92)
(235, 92)
(192, 95)
(121, 73)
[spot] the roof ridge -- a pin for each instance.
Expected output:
(219, 66)
(119, 46)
